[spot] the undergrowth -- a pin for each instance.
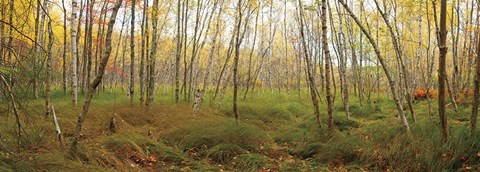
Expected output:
(276, 131)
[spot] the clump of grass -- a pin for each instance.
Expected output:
(167, 154)
(342, 147)
(459, 114)
(304, 131)
(224, 153)
(272, 110)
(203, 134)
(422, 149)
(365, 111)
(297, 108)
(291, 135)
(9, 163)
(250, 162)
(310, 150)
(342, 123)
(120, 141)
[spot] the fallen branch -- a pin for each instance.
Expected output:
(57, 126)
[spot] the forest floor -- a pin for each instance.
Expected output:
(277, 132)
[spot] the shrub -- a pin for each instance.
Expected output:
(422, 94)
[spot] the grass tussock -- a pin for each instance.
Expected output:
(224, 153)
(204, 134)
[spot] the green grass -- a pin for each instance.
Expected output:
(276, 131)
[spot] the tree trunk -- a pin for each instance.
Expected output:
(442, 69)
(74, 53)
(476, 100)
(326, 51)
(340, 39)
(185, 37)
(49, 67)
(250, 57)
(98, 78)
(64, 64)
(85, 72)
(153, 53)
(178, 52)
(142, 56)
(399, 56)
(311, 79)
(2, 34)
(236, 59)
(391, 82)
(210, 60)
(15, 107)
(132, 54)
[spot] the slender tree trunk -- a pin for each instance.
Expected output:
(15, 107)
(399, 56)
(229, 54)
(340, 39)
(210, 60)
(64, 64)
(142, 56)
(194, 48)
(10, 32)
(39, 44)
(49, 67)
(132, 55)
(74, 52)
(326, 51)
(391, 82)
(311, 79)
(185, 37)
(476, 98)
(2, 34)
(178, 52)
(123, 73)
(98, 78)
(153, 53)
(442, 69)
(120, 36)
(85, 73)
(236, 59)
(249, 77)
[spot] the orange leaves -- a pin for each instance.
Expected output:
(422, 94)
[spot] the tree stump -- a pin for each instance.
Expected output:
(113, 126)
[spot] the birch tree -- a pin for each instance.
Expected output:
(385, 68)
(305, 53)
(326, 52)
(153, 53)
(74, 53)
